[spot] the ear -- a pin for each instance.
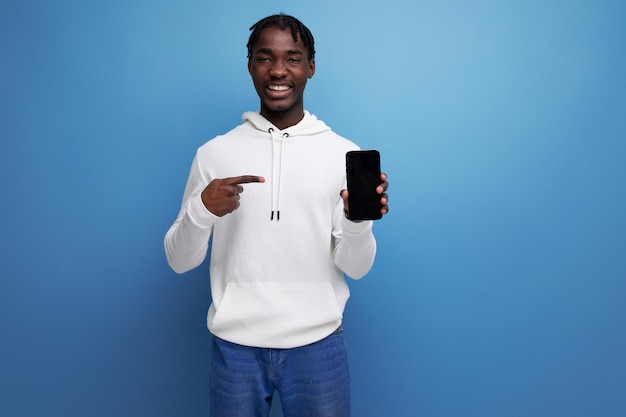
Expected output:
(311, 68)
(249, 66)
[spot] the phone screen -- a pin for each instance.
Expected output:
(363, 176)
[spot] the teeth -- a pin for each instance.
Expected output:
(278, 87)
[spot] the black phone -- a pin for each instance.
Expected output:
(363, 177)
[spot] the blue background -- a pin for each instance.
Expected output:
(500, 280)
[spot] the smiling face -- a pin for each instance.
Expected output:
(280, 68)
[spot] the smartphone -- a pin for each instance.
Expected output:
(363, 177)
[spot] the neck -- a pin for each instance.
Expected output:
(283, 120)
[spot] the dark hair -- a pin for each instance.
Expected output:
(282, 21)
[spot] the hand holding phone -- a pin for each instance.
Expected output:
(363, 177)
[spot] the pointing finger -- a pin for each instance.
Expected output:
(243, 179)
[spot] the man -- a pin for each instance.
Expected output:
(279, 250)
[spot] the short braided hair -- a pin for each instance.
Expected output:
(282, 21)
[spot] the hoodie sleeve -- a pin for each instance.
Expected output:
(354, 244)
(187, 241)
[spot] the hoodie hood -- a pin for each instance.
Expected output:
(309, 125)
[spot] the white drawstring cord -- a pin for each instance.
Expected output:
(277, 172)
(283, 145)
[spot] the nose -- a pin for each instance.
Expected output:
(278, 68)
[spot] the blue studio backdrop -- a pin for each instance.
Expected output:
(500, 280)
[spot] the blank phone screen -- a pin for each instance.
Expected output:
(363, 176)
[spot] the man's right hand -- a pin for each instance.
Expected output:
(221, 196)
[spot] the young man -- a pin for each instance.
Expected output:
(281, 249)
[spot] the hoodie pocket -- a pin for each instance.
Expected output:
(276, 314)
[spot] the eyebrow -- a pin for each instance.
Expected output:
(269, 51)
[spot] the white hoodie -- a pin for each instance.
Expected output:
(278, 261)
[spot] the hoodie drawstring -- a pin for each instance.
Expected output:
(277, 171)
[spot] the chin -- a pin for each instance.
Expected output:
(282, 106)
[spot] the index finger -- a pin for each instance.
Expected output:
(385, 184)
(243, 179)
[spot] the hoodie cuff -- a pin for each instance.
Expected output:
(357, 228)
(199, 214)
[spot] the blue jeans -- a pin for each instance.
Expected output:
(312, 380)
